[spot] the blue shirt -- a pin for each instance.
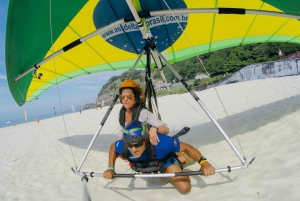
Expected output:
(165, 146)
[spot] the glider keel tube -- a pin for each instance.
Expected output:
(204, 108)
(97, 133)
(161, 175)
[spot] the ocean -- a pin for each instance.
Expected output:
(12, 122)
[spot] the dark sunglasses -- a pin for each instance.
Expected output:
(137, 145)
(127, 96)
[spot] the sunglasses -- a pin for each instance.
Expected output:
(127, 96)
(137, 145)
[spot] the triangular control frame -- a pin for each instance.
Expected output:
(151, 50)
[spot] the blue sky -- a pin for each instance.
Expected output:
(76, 92)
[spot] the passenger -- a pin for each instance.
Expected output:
(133, 101)
(146, 158)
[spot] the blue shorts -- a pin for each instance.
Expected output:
(170, 162)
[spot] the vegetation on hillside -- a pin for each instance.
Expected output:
(114, 82)
(230, 60)
(216, 63)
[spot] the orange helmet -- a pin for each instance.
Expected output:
(136, 88)
(129, 83)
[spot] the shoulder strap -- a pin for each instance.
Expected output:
(150, 151)
(125, 151)
(122, 116)
(135, 113)
(137, 110)
(135, 116)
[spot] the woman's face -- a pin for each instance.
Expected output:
(128, 98)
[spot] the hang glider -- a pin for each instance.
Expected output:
(48, 42)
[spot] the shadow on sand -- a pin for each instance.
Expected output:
(243, 123)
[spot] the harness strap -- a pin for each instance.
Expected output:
(154, 165)
(135, 113)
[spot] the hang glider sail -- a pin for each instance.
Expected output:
(48, 42)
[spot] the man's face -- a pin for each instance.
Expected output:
(137, 148)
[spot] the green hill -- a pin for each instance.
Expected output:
(216, 63)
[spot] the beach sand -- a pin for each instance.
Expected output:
(263, 119)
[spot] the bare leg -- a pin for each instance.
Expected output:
(182, 183)
(184, 158)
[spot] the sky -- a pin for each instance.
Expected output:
(76, 92)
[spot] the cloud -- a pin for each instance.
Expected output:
(3, 77)
(87, 82)
(87, 87)
(4, 89)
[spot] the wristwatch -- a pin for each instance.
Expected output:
(202, 159)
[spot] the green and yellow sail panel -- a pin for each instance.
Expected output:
(48, 42)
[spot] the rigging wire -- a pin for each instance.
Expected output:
(91, 153)
(193, 108)
(57, 88)
(274, 129)
(30, 150)
(201, 62)
(127, 78)
(55, 146)
(272, 132)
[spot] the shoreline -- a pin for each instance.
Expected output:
(18, 121)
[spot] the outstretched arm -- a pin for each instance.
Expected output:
(120, 133)
(163, 129)
(108, 174)
(157, 126)
(153, 133)
(195, 154)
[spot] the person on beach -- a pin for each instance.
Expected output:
(143, 157)
(133, 101)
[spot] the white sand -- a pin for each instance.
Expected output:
(33, 168)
